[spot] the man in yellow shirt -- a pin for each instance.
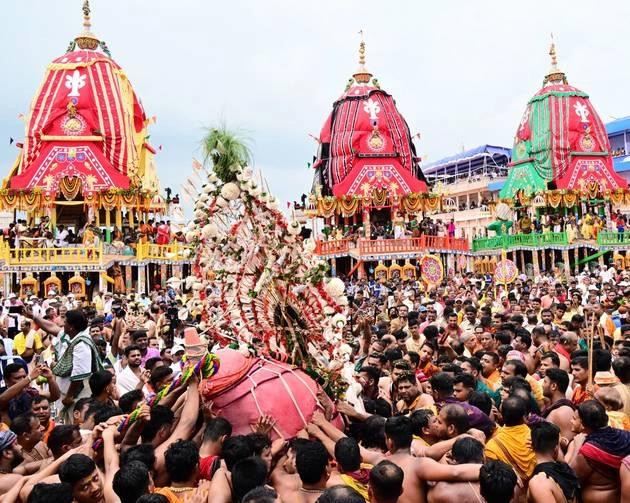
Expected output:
(27, 342)
(512, 442)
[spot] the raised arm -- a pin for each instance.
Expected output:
(429, 469)
(18, 387)
(47, 325)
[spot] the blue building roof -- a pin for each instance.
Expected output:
(492, 186)
(473, 158)
(621, 164)
(618, 126)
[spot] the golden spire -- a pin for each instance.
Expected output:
(554, 75)
(87, 40)
(362, 75)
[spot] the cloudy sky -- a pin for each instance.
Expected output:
(461, 70)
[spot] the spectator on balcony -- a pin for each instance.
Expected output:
(451, 229)
(62, 237)
(163, 233)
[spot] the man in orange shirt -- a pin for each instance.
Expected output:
(580, 370)
(491, 375)
(40, 406)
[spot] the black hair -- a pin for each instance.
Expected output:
(311, 461)
(407, 376)
(513, 409)
(77, 320)
(519, 367)
(12, 368)
(482, 401)
(496, 482)
(217, 427)
(75, 468)
(555, 359)
(467, 450)
(340, 493)
(22, 423)
(558, 377)
(503, 338)
(442, 383)
(398, 430)
(152, 498)
(45, 493)
(347, 454)
(371, 371)
(130, 348)
(401, 365)
(386, 480)
(475, 363)
(393, 354)
(160, 416)
(38, 399)
(466, 379)
(456, 415)
(106, 413)
(414, 357)
(152, 362)
(126, 402)
(373, 433)
(247, 474)
(158, 374)
(60, 436)
(260, 494)
(545, 436)
(259, 442)
(593, 415)
(621, 367)
(580, 361)
(181, 459)
(420, 419)
(138, 334)
(430, 332)
(99, 381)
(602, 360)
(145, 453)
(526, 339)
(131, 482)
(236, 448)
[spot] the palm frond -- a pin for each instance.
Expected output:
(227, 150)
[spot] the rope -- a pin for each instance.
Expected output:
(206, 367)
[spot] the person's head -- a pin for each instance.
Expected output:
(373, 433)
(28, 430)
(549, 360)
(398, 433)
(592, 415)
(399, 367)
(160, 377)
(46, 493)
(463, 385)
(40, 406)
(182, 461)
(102, 383)
(145, 453)
(260, 494)
(347, 454)
(386, 482)
(514, 410)
(555, 383)
(140, 339)
(133, 354)
(441, 385)
(81, 473)
(63, 438)
(81, 407)
(247, 474)
(340, 493)
(235, 448)
(424, 424)
(472, 366)
(522, 341)
(74, 322)
(377, 360)
(311, 462)
(486, 341)
(569, 341)
(497, 481)
(159, 427)
(130, 400)
(217, 430)
(426, 353)
(513, 368)
(10, 454)
(132, 481)
(407, 386)
(14, 373)
(621, 367)
(467, 450)
(580, 370)
(489, 362)
(545, 438)
(452, 421)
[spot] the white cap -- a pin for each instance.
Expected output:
(177, 348)
(33, 297)
(12, 295)
(51, 292)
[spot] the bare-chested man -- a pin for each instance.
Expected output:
(560, 409)
(398, 433)
(596, 454)
(553, 480)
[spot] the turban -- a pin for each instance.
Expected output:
(7, 438)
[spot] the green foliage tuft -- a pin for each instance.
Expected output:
(227, 151)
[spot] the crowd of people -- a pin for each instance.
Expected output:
(463, 392)
(123, 239)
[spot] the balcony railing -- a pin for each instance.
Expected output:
(520, 240)
(364, 247)
(613, 238)
(175, 251)
(52, 256)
